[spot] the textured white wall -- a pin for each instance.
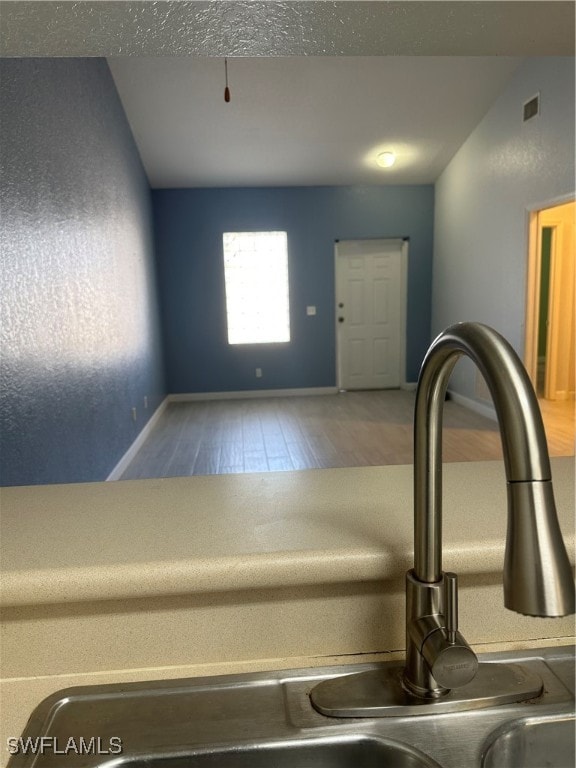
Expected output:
(505, 169)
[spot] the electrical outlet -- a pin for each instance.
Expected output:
(145, 401)
(258, 373)
(134, 414)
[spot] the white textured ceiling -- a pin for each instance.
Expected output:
(304, 120)
(299, 113)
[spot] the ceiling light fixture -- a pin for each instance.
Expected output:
(386, 159)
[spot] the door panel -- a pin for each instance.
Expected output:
(356, 356)
(381, 301)
(356, 303)
(381, 355)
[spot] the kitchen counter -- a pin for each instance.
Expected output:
(68, 543)
(204, 575)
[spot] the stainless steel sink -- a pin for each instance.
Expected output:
(534, 743)
(267, 720)
(337, 752)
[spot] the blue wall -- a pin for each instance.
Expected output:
(189, 224)
(80, 332)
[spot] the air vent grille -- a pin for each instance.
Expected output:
(532, 108)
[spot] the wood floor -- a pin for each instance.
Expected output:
(348, 429)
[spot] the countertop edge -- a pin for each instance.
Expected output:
(269, 571)
(293, 558)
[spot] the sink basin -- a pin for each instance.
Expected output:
(266, 720)
(534, 743)
(338, 752)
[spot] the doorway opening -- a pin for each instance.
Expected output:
(550, 327)
(550, 344)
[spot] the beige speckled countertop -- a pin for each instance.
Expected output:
(161, 578)
(230, 532)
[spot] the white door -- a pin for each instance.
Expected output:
(370, 313)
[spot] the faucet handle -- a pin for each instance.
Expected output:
(451, 605)
(437, 656)
(452, 664)
(449, 657)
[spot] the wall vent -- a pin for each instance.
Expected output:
(532, 107)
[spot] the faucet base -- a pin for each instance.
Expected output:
(380, 692)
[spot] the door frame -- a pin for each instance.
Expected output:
(533, 274)
(403, 303)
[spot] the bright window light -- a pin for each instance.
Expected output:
(256, 275)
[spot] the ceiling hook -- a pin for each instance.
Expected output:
(226, 89)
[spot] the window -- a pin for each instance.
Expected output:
(256, 276)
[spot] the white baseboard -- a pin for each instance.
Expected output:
(409, 386)
(473, 405)
(251, 394)
(122, 465)
(564, 395)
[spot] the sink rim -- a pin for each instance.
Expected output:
(521, 725)
(278, 711)
(396, 746)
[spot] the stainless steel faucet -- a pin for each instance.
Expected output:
(537, 574)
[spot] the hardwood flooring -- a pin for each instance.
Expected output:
(559, 418)
(348, 429)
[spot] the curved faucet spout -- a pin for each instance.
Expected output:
(537, 574)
